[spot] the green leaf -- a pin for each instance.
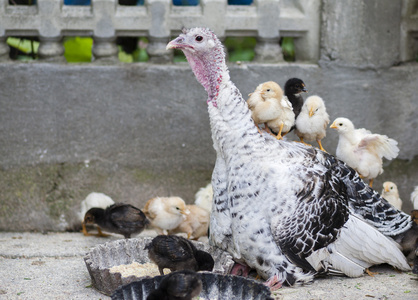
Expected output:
(23, 45)
(125, 57)
(78, 49)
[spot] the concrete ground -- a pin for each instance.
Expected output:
(51, 266)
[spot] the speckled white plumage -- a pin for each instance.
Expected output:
(363, 150)
(277, 202)
(391, 194)
(414, 198)
(313, 120)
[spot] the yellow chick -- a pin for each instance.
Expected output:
(204, 197)
(391, 194)
(166, 213)
(268, 105)
(196, 223)
(363, 150)
(313, 120)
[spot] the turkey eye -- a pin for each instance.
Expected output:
(199, 38)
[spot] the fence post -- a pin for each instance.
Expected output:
(50, 47)
(4, 49)
(104, 36)
(268, 47)
(159, 32)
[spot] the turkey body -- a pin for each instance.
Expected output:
(282, 208)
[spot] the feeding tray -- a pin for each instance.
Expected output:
(214, 286)
(101, 259)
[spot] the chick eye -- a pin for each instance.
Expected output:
(199, 38)
(341, 124)
(268, 90)
(178, 208)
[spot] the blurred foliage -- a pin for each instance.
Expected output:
(78, 49)
(288, 48)
(23, 49)
(240, 48)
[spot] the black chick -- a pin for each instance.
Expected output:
(177, 253)
(180, 285)
(293, 89)
(119, 218)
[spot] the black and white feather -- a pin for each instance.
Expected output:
(285, 209)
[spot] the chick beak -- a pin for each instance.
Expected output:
(311, 112)
(304, 89)
(333, 126)
(386, 189)
(185, 212)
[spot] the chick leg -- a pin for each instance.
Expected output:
(370, 273)
(371, 182)
(320, 145)
(84, 230)
(267, 129)
(303, 142)
(258, 128)
(279, 135)
(100, 233)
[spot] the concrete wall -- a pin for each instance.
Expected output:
(134, 131)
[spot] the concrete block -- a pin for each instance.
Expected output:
(356, 34)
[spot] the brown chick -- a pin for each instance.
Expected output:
(268, 105)
(119, 218)
(177, 253)
(196, 223)
(166, 213)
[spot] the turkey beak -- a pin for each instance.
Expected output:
(333, 126)
(311, 112)
(175, 44)
(178, 43)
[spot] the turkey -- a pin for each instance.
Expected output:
(287, 210)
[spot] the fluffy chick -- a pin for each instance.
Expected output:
(166, 213)
(98, 200)
(119, 218)
(363, 150)
(177, 253)
(312, 121)
(293, 88)
(414, 198)
(196, 223)
(204, 197)
(391, 194)
(269, 106)
(180, 285)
